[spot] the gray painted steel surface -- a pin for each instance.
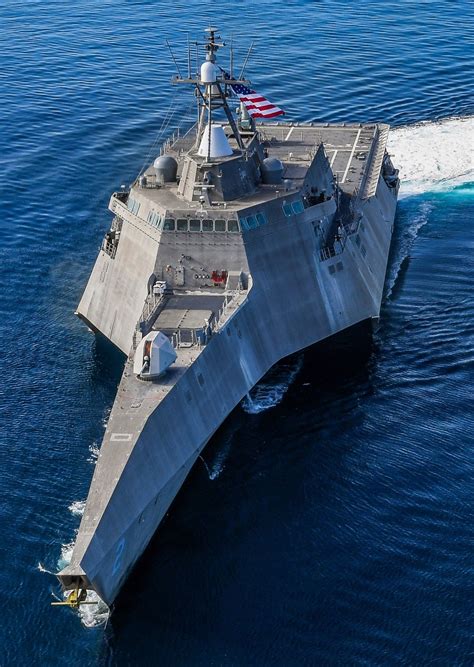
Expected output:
(239, 274)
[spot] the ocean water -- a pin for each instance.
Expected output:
(330, 519)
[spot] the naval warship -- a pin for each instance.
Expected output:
(243, 242)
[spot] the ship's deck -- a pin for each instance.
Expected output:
(347, 148)
(353, 150)
(188, 313)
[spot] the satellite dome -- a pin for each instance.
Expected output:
(208, 72)
(272, 170)
(166, 168)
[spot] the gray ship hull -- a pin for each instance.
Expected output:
(298, 296)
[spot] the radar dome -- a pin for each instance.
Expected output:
(166, 168)
(219, 144)
(272, 171)
(208, 72)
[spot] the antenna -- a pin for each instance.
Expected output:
(231, 57)
(189, 58)
(241, 76)
(174, 59)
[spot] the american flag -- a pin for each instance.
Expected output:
(257, 105)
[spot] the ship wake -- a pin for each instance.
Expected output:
(270, 391)
(433, 155)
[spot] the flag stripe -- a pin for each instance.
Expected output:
(257, 105)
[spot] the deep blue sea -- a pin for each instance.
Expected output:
(331, 522)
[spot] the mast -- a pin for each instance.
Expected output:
(212, 90)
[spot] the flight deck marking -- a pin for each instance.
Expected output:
(351, 155)
(121, 437)
(333, 158)
(289, 133)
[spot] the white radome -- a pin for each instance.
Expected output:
(220, 146)
(208, 72)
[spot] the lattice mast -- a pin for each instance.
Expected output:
(212, 88)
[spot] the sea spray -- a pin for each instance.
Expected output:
(270, 391)
(77, 507)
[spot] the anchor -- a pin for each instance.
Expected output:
(74, 599)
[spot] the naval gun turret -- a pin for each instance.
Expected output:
(242, 243)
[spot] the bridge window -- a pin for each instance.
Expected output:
(261, 219)
(232, 226)
(133, 206)
(169, 225)
(194, 225)
(252, 222)
(182, 225)
(297, 206)
(207, 226)
(219, 225)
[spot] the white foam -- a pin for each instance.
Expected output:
(77, 507)
(94, 450)
(43, 569)
(91, 615)
(404, 244)
(66, 554)
(270, 391)
(95, 613)
(433, 155)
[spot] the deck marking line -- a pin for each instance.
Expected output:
(351, 155)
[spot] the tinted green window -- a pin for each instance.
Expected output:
(207, 226)
(261, 219)
(232, 226)
(297, 206)
(182, 225)
(194, 225)
(168, 225)
(219, 225)
(287, 210)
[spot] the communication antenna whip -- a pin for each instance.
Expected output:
(174, 59)
(231, 57)
(189, 58)
(241, 76)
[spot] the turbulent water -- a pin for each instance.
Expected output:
(329, 521)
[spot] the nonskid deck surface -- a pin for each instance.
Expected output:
(187, 313)
(347, 147)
